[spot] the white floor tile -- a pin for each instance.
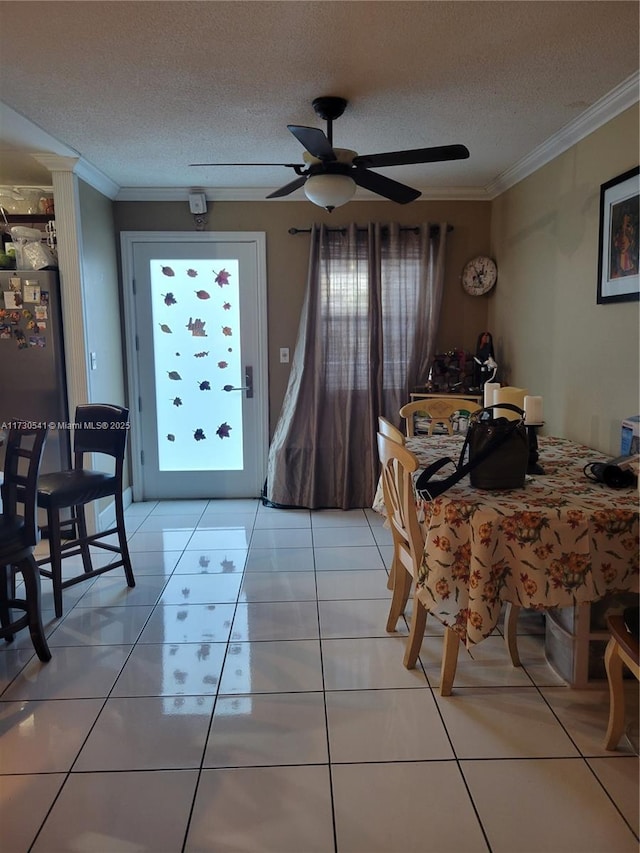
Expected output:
(360, 618)
(275, 620)
(161, 733)
(164, 523)
(365, 664)
(277, 518)
(337, 586)
(280, 537)
(154, 562)
(490, 665)
(584, 714)
(202, 589)
(100, 626)
(278, 586)
(215, 539)
(159, 540)
(268, 729)
(538, 815)
(280, 560)
(74, 672)
(185, 507)
(20, 825)
(487, 722)
(83, 816)
(223, 561)
(271, 809)
(272, 667)
(416, 807)
(192, 623)
(43, 737)
(348, 536)
(12, 661)
(620, 779)
(345, 558)
(112, 591)
(231, 506)
(385, 725)
(338, 518)
(172, 669)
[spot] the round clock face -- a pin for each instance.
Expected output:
(479, 276)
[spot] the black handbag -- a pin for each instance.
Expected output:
(498, 455)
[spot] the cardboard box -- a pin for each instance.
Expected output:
(630, 436)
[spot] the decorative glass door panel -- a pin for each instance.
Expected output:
(200, 367)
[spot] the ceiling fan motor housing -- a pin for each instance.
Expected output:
(329, 107)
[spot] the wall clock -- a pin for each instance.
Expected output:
(479, 275)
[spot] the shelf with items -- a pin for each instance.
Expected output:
(28, 218)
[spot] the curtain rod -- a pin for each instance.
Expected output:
(433, 230)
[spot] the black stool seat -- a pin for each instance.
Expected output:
(67, 488)
(19, 535)
(99, 428)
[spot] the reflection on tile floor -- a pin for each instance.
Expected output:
(245, 696)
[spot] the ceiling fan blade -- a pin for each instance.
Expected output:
(392, 190)
(417, 155)
(314, 140)
(288, 165)
(288, 188)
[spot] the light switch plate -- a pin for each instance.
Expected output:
(284, 355)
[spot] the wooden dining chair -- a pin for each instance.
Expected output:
(398, 466)
(439, 411)
(390, 431)
(623, 649)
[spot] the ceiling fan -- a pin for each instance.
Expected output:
(330, 175)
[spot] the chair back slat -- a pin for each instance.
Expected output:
(25, 445)
(398, 465)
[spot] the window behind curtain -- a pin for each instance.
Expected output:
(367, 333)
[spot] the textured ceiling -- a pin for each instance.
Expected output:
(142, 89)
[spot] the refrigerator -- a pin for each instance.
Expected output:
(32, 367)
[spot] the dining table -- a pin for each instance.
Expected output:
(559, 541)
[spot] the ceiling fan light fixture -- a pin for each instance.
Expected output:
(329, 191)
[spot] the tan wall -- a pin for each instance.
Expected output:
(550, 334)
(463, 316)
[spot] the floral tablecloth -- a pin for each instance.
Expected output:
(559, 541)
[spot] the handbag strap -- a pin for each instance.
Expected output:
(462, 467)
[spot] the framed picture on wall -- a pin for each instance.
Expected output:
(618, 258)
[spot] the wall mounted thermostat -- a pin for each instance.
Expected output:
(197, 203)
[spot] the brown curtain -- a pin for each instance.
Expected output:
(366, 337)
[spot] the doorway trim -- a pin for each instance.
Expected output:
(128, 239)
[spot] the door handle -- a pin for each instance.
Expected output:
(248, 378)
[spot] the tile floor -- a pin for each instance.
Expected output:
(245, 697)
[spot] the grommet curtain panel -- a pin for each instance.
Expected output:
(366, 337)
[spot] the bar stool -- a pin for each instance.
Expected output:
(19, 535)
(98, 428)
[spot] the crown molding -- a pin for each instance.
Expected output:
(260, 193)
(81, 168)
(608, 107)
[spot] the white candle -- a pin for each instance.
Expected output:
(533, 410)
(490, 389)
(514, 396)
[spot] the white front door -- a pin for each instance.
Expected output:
(196, 330)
